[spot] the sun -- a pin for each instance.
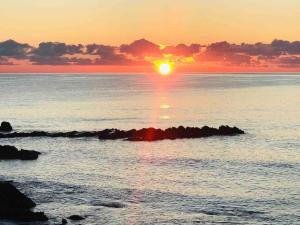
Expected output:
(165, 69)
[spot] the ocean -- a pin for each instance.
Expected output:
(247, 179)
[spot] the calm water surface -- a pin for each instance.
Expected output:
(248, 179)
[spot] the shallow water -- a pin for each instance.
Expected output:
(248, 179)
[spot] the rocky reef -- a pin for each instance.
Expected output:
(144, 134)
(10, 152)
(71, 134)
(14, 205)
(152, 134)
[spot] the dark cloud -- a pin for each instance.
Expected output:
(107, 55)
(238, 59)
(53, 53)
(80, 61)
(141, 48)
(56, 49)
(13, 49)
(290, 61)
(221, 49)
(113, 60)
(244, 54)
(49, 60)
(258, 49)
(287, 47)
(215, 52)
(182, 49)
(279, 53)
(94, 49)
(226, 58)
(280, 45)
(294, 47)
(5, 61)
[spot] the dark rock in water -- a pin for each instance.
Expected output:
(152, 134)
(76, 217)
(71, 134)
(116, 205)
(145, 134)
(64, 221)
(11, 152)
(16, 206)
(29, 154)
(11, 197)
(5, 127)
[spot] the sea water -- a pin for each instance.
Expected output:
(248, 179)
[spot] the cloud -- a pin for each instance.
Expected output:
(95, 49)
(49, 60)
(80, 61)
(278, 53)
(182, 49)
(113, 60)
(258, 49)
(290, 61)
(286, 47)
(141, 48)
(13, 49)
(56, 49)
(238, 59)
(107, 55)
(5, 61)
(245, 54)
(53, 53)
(221, 49)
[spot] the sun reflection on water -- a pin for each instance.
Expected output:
(165, 106)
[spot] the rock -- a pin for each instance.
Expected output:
(152, 134)
(64, 221)
(5, 127)
(28, 154)
(12, 197)
(11, 152)
(14, 205)
(116, 205)
(71, 134)
(144, 134)
(76, 217)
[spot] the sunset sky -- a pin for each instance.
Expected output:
(217, 28)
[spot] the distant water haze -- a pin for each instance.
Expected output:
(248, 179)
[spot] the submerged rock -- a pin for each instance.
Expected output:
(115, 205)
(76, 217)
(5, 127)
(153, 134)
(14, 205)
(11, 152)
(71, 134)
